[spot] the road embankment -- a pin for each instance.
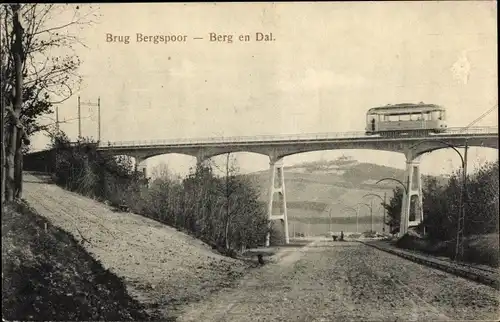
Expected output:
(481, 274)
(47, 275)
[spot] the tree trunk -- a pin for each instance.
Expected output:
(17, 129)
(9, 164)
(3, 168)
(226, 234)
(18, 167)
(227, 202)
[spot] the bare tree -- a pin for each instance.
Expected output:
(230, 198)
(32, 77)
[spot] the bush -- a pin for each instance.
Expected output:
(441, 204)
(224, 212)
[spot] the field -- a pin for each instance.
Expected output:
(320, 195)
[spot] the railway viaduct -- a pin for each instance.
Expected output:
(278, 147)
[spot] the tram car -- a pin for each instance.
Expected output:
(406, 119)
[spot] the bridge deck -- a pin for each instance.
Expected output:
(341, 136)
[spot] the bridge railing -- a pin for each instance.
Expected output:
(283, 137)
(472, 130)
(238, 139)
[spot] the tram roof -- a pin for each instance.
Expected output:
(406, 108)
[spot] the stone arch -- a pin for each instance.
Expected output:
(385, 148)
(211, 153)
(179, 163)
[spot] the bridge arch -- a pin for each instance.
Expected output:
(340, 179)
(427, 146)
(451, 161)
(244, 162)
(216, 152)
(395, 148)
(177, 164)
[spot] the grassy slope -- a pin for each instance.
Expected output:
(477, 249)
(47, 275)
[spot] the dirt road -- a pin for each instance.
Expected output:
(348, 281)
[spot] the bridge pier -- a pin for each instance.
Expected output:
(140, 165)
(277, 185)
(202, 160)
(411, 208)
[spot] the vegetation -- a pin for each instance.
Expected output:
(223, 211)
(393, 210)
(32, 78)
(441, 205)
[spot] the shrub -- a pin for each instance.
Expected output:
(224, 212)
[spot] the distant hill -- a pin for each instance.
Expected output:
(318, 192)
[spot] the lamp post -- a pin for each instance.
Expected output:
(330, 221)
(383, 203)
(405, 188)
(356, 211)
(463, 193)
(371, 213)
(395, 180)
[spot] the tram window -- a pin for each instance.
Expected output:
(427, 116)
(435, 115)
(405, 117)
(393, 118)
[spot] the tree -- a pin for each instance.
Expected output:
(229, 189)
(393, 209)
(32, 77)
(436, 208)
(441, 204)
(483, 201)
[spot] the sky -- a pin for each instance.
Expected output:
(326, 65)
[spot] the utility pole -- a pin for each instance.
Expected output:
(79, 119)
(371, 216)
(357, 221)
(383, 222)
(57, 118)
(98, 105)
(459, 249)
(461, 218)
(98, 119)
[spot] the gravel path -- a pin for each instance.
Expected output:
(348, 281)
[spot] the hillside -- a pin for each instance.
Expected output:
(47, 275)
(319, 192)
(162, 267)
